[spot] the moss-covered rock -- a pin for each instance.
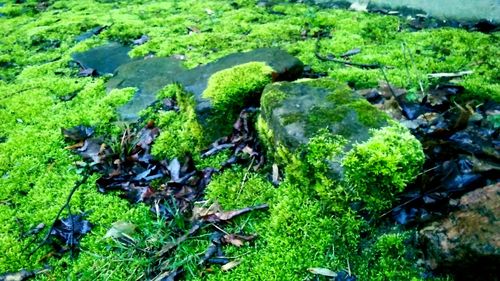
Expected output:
(295, 112)
(236, 86)
(223, 87)
(344, 139)
(149, 76)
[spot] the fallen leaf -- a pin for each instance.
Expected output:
(237, 240)
(140, 41)
(121, 229)
(209, 11)
(87, 72)
(78, 133)
(230, 265)
(94, 31)
(276, 174)
(34, 230)
(351, 53)
(193, 29)
(322, 271)
(21, 275)
(71, 229)
(450, 75)
(169, 275)
(215, 214)
(359, 6)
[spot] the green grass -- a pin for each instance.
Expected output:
(37, 173)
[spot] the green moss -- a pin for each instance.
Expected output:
(391, 257)
(273, 97)
(36, 173)
(383, 165)
(231, 88)
(180, 132)
(240, 188)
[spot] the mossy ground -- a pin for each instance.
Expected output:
(37, 173)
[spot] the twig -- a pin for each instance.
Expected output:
(360, 65)
(403, 47)
(450, 75)
(415, 69)
(66, 204)
(388, 83)
(243, 181)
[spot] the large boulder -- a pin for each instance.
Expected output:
(295, 112)
(467, 242)
(338, 133)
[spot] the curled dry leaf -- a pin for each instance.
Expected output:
(237, 240)
(230, 265)
(120, 229)
(322, 271)
(78, 133)
(215, 214)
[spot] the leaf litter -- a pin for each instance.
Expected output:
(461, 143)
(170, 187)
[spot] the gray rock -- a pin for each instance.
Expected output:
(286, 67)
(296, 111)
(149, 76)
(104, 59)
(467, 242)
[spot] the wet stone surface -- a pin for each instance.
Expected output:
(149, 75)
(285, 66)
(104, 59)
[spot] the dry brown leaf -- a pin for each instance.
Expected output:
(237, 240)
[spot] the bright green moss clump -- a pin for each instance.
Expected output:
(180, 132)
(230, 88)
(382, 166)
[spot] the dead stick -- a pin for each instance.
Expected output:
(68, 199)
(360, 65)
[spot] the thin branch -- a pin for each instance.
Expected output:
(66, 204)
(333, 59)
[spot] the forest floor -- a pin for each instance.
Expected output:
(42, 91)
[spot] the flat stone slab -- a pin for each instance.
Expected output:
(285, 66)
(104, 59)
(151, 75)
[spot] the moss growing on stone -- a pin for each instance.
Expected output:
(36, 173)
(230, 89)
(180, 132)
(383, 165)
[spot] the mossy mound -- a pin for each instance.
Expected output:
(349, 141)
